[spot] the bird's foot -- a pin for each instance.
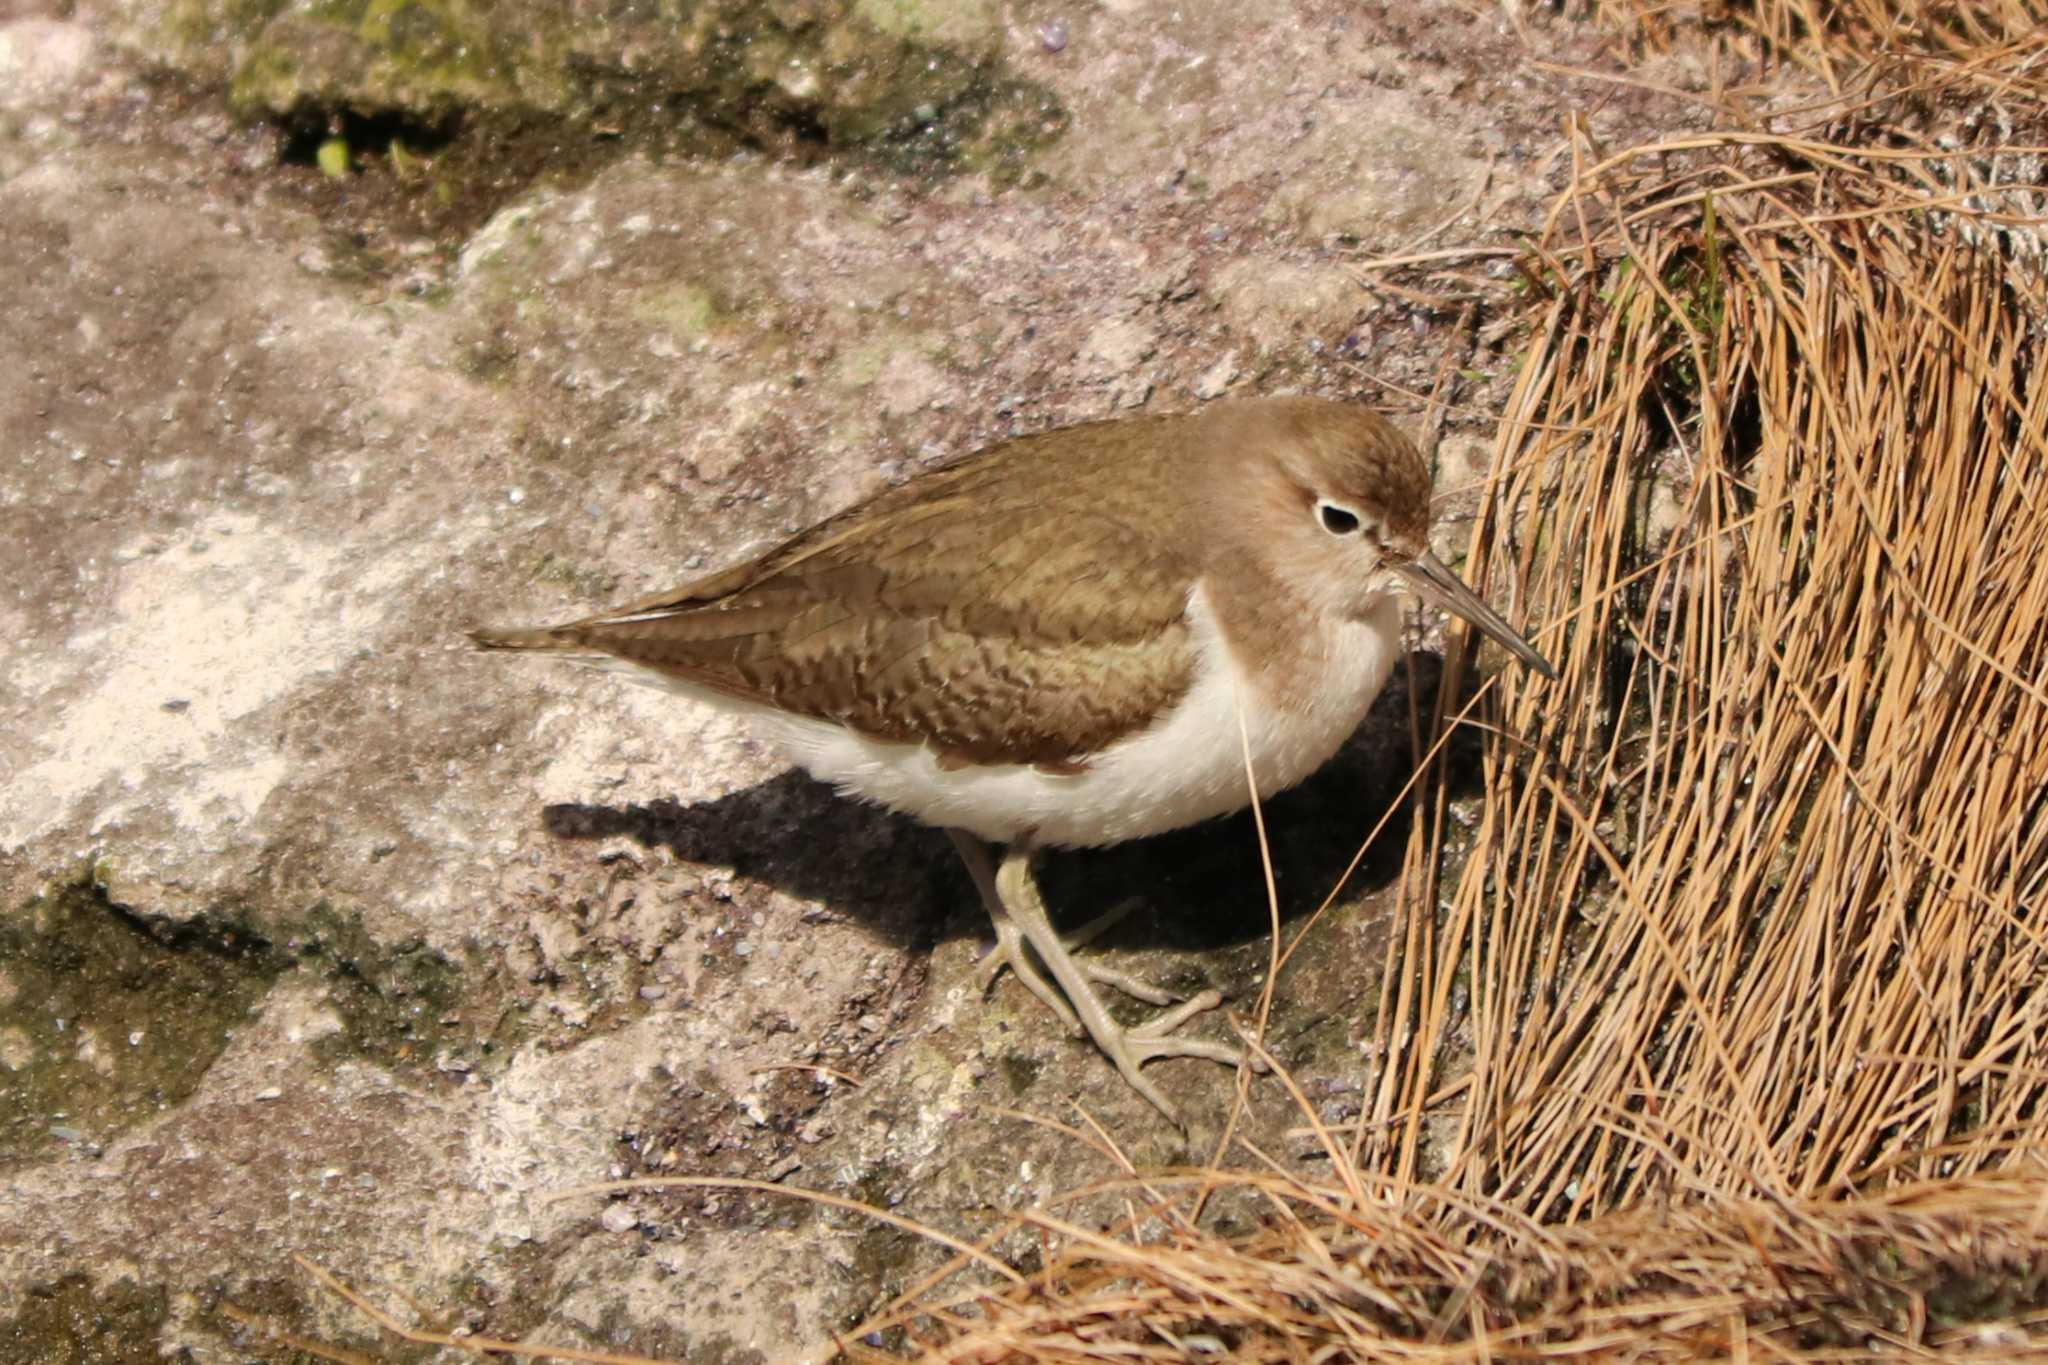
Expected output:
(1128, 1046)
(1025, 939)
(1013, 952)
(1044, 961)
(1132, 1047)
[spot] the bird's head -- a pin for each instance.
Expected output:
(1343, 508)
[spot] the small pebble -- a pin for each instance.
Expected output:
(1053, 36)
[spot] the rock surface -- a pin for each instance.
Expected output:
(851, 69)
(321, 934)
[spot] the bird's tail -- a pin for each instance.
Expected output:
(524, 637)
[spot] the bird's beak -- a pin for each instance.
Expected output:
(1439, 587)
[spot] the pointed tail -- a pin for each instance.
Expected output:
(523, 637)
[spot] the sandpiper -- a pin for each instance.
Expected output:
(1066, 640)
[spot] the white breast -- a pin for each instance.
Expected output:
(1188, 767)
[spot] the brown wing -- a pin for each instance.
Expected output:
(1017, 607)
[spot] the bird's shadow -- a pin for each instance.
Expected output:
(1205, 886)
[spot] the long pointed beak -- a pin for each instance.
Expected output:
(1438, 586)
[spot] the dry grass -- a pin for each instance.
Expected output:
(1730, 1036)
(1956, 1268)
(1833, 40)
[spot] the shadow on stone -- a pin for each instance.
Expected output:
(793, 833)
(1202, 887)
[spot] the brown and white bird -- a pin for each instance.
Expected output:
(1069, 640)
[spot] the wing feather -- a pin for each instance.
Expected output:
(1002, 610)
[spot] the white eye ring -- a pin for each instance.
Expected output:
(1338, 519)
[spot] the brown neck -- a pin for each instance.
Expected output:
(1273, 632)
(1276, 631)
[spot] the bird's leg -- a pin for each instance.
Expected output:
(1017, 891)
(1011, 952)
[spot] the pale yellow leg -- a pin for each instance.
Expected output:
(1020, 918)
(1010, 950)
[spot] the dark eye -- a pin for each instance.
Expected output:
(1338, 521)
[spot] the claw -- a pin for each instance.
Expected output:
(1010, 951)
(1025, 939)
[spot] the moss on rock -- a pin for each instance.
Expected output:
(846, 73)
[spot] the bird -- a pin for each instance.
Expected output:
(1071, 639)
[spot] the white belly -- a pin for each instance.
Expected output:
(1187, 768)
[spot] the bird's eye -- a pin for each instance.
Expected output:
(1338, 521)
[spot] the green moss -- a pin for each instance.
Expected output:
(736, 65)
(399, 1005)
(883, 1255)
(1020, 1072)
(488, 360)
(481, 101)
(686, 309)
(333, 158)
(197, 36)
(418, 56)
(1013, 122)
(107, 1019)
(264, 71)
(968, 24)
(74, 1322)
(246, 1311)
